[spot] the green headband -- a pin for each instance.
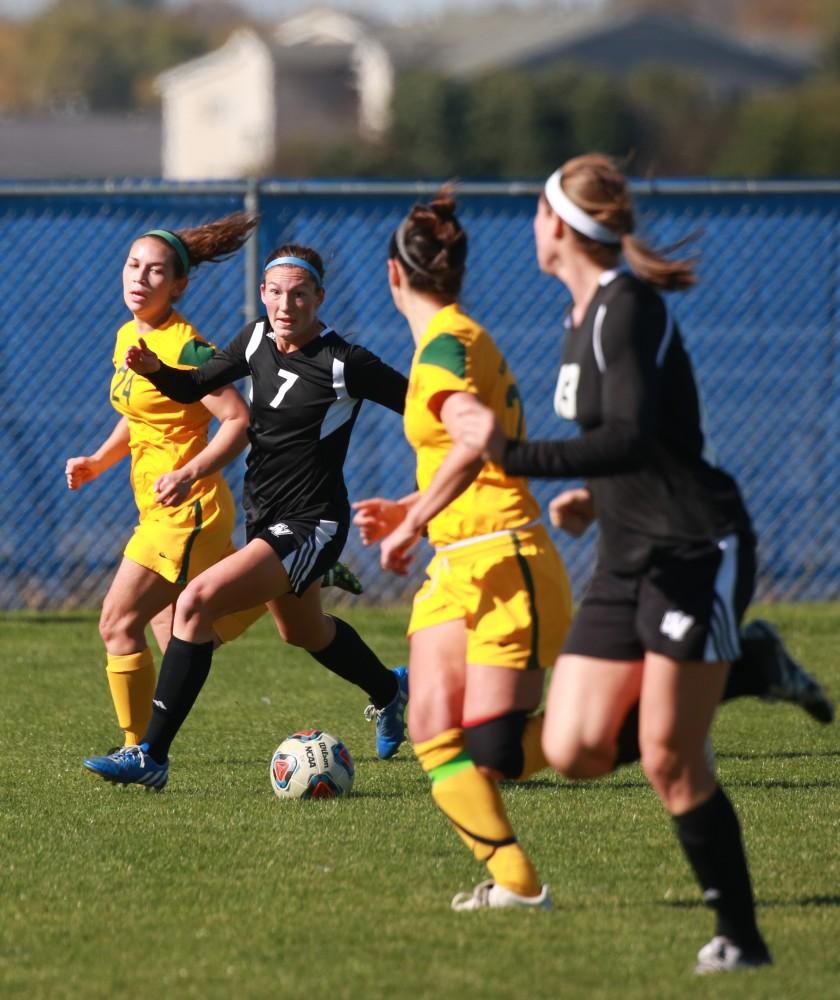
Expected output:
(176, 243)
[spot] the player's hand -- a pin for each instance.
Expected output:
(395, 553)
(141, 359)
(172, 488)
(474, 425)
(80, 470)
(376, 517)
(573, 511)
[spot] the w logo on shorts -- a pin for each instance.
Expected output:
(279, 529)
(675, 624)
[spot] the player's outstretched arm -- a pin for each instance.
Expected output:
(377, 517)
(83, 469)
(230, 409)
(474, 426)
(141, 360)
(572, 511)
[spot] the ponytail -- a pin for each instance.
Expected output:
(209, 243)
(597, 191)
(671, 274)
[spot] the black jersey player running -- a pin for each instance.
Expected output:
(658, 624)
(307, 388)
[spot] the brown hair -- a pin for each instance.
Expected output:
(211, 242)
(432, 246)
(595, 184)
(297, 250)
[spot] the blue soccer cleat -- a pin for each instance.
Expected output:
(130, 766)
(390, 720)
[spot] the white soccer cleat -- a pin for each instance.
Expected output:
(488, 895)
(723, 955)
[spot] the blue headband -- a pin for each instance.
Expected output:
(176, 243)
(296, 262)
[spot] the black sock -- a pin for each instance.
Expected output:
(747, 676)
(349, 657)
(711, 838)
(628, 750)
(183, 671)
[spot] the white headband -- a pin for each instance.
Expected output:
(579, 220)
(403, 251)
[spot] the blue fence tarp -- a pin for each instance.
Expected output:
(761, 327)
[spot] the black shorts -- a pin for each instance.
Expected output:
(687, 605)
(307, 548)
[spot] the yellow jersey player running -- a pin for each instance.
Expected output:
(186, 510)
(496, 603)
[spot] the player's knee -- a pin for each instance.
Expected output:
(577, 758)
(312, 633)
(495, 746)
(662, 764)
(117, 623)
(194, 603)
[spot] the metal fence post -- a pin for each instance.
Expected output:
(252, 252)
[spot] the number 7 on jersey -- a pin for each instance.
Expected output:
(289, 379)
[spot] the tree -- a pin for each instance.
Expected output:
(583, 111)
(501, 127)
(427, 128)
(791, 134)
(101, 54)
(679, 124)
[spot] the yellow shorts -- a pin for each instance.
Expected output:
(511, 590)
(181, 543)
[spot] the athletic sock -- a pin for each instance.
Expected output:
(628, 750)
(352, 659)
(472, 804)
(183, 671)
(711, 838)
(131, 678)
(747, 675)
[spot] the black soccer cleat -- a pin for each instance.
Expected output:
(787, 680)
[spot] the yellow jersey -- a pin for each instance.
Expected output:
(163, 434)
(456, 354)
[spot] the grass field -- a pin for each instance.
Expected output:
(216, 889)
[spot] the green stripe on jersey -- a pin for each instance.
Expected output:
(185, 563)
(533, 658)
(451, 767)
(445, 351)
(195, 352)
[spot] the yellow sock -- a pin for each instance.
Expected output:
(472, 804)
(132, 682)
(533, 756)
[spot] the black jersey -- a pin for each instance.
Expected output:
(628, 382)
(303, 407)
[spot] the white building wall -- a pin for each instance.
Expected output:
(219, 114)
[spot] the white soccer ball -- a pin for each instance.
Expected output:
(311, 764)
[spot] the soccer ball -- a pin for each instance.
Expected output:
(311, 764)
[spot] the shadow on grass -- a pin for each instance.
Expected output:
(774, 783)
(697, 904)
(776, 755)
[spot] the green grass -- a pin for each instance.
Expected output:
(216, 889)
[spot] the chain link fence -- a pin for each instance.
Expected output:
(762, 329)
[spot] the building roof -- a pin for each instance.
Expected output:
(80, 146)
(465, 45)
